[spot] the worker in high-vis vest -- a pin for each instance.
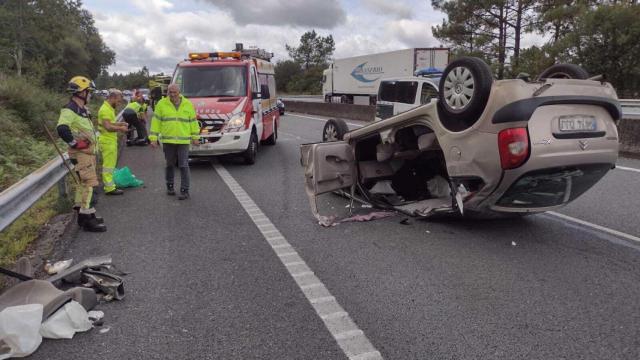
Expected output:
(76, 129)
(108, 139)
(135, 114)
(174, 125)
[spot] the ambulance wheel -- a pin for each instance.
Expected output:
(271, 140)
(334, 130)
(250, 154)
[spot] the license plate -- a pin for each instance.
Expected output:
(577, 123)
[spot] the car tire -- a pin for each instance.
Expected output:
(271, 140)
(564, 71)
(250, 154)
(463, 92)
(334, 130)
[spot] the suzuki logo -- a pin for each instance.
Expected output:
(583, 144)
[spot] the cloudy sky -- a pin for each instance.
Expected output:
(159, 33)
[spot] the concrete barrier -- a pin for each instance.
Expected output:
(344, 111)
(629, 132)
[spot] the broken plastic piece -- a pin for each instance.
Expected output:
(57, 266)
(513, 243)
(20, 330)
(95, 315)
(65, 322)
(369, 217)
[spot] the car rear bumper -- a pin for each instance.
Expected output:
(226, 143)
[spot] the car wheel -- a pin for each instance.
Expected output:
(334, 130)
(271, 140)
(463, 92)
(250, 154)
(564, 71)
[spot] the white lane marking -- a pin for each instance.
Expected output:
(344, 330)
(325, 120)
(595, 226)
(295, 136)
(628, 168)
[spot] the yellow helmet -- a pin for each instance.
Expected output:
(80, 83)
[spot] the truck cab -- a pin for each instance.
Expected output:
(398, 95)
(234, 95)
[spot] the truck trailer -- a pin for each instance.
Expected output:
(355, 80)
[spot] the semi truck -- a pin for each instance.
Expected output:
(355, 80)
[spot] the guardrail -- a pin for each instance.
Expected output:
(630, 108)
(19, 197)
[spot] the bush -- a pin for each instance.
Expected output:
(30, 103)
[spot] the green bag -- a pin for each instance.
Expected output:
(125, 179)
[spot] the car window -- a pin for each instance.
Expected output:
(427, 93)
(212, 81)
(398, 91)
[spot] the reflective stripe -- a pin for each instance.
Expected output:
(174, 119)
(107, 170)
(154, 133)
(109, 184)
(176, 137)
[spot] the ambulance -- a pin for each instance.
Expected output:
(234, 94)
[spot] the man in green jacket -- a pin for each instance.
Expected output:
(174, 125)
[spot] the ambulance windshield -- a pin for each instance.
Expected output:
(212, 81)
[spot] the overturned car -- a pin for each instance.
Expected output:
(484, 147)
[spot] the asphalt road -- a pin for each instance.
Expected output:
(205, 284)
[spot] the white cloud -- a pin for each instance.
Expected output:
(397, 9)
(159, 33)
(324, 14)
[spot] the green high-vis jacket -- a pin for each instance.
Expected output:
(174, 126)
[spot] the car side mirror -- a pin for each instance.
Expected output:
(264, 89)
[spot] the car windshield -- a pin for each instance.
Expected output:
(211, 81)
(398, 91)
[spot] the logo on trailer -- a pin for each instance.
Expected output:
(364, 73)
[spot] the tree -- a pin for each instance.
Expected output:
(491, 28)
(285, 72)
(314, 50)
(51, 40)
(605, 41)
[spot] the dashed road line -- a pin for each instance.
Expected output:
(344, 330)
(595, 226)
(627, 168)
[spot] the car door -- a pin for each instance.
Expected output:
(328, 166)
(256, 101)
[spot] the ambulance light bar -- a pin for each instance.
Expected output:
(215, 55)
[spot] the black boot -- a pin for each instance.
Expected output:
(98, 218)
(184, 194)
(88, 223)
(170, 190)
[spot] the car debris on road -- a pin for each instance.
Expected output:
(33, 309)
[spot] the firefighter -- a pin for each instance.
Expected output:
(108, 139)
(174, 124)
(135, 114)
(76, 129)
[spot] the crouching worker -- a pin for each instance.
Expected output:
(76, 129)
(135, 114)
(108, 139)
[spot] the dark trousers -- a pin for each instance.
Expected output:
(131, 117)
(177, 155)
